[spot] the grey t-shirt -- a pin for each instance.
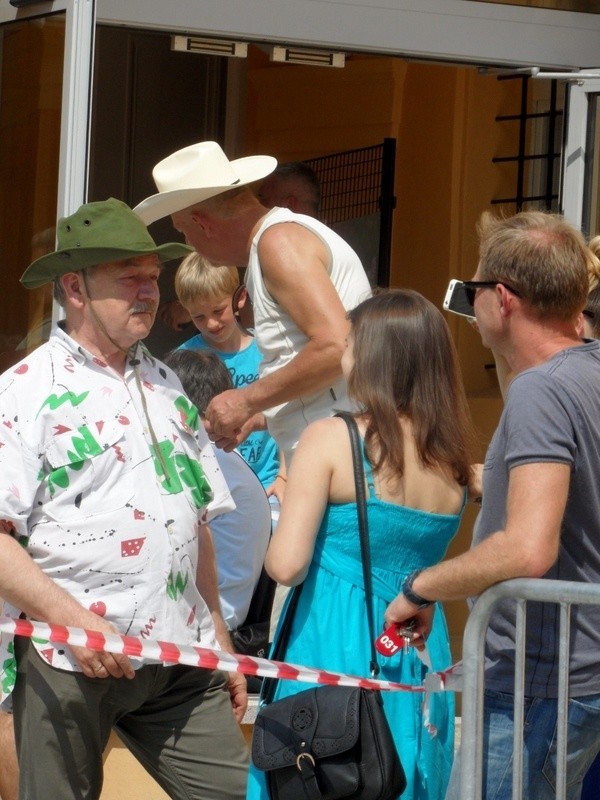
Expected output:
(552, 414)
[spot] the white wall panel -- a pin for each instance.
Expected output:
(447, 29)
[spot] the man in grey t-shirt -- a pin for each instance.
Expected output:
(540, 514)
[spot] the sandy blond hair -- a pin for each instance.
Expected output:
(196, 278)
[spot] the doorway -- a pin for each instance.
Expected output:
(149, 100)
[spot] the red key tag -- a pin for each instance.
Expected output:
(390, 641)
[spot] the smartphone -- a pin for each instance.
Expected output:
(456, 300)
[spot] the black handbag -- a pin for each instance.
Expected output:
(329, 742)
(252, 637)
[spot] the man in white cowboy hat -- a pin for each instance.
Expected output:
(107, 487)
(301, 277)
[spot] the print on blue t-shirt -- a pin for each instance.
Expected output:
(259, 450)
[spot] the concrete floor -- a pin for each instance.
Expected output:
(126, 779)
(124, 776)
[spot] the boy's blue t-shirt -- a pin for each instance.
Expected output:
(259, 449)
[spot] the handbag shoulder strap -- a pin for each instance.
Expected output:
(280, 645)
(363, 527)
(261, 603)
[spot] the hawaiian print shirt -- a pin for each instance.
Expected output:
(105, 478)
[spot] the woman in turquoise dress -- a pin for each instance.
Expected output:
(402, 373)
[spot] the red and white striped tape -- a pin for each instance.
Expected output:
(170, 653)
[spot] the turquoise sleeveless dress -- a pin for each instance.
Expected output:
(330, 629)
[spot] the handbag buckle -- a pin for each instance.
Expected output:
(301, 756)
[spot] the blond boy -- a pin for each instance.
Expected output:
(206, 292)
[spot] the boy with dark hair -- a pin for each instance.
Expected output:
(240, 536)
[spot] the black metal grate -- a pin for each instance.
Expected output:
(358, 183)
(547, 199)
(350, 182)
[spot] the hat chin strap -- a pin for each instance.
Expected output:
(99, 323)
(135, 365)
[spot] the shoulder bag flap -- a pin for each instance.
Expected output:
(321, 721)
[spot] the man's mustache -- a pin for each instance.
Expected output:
(142, 308)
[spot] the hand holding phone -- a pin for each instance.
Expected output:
(456, 300)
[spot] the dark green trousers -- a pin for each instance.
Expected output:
(177, 721)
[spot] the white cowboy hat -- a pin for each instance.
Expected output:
(197, 173)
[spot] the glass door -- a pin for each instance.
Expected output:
(581, 172)
(45, 61)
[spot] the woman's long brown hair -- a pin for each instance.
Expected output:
(405, 363)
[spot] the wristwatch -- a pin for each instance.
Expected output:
(411, 595)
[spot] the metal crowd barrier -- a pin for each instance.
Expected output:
(565, 594)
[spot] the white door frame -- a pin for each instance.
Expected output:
(576, 146)
(76, 105)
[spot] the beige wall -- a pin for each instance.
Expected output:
(296, 111)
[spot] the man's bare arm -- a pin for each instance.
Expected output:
(24, 585)
(206, 581)
(294, 264)
(527, 547)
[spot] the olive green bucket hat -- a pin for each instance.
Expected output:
(98, 233)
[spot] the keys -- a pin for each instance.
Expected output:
(394, 638)
(406, 633)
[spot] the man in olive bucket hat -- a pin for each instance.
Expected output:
(107, 481)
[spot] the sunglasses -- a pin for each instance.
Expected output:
(472, 286)
(587, 312)
(243, 312)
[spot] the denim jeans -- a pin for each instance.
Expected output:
(592, 781)
(539, 747)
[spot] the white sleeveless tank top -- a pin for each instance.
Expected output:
(278, 337)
